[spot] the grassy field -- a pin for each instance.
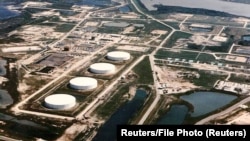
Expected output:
(164, 54)
(224, 47)
(175, 25)
(207, 79)
(113, 30)
(107, 109)
(143, 69)
(240, 78)
(214, 20)
(248, 25)
(64, 27)
(177, 35)
(206, 58)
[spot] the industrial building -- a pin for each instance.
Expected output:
(83, 83)
(60, 101)
(102, 68)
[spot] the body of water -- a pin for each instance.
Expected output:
(6, 13)
(28, 128)
(175, 116)
(216, 5)
(124, 9)
(108, 131)
(5, 99)
(206, 102)
(95, 2)
(2, 67)
(203, 103)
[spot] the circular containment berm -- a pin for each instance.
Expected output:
(83, 83)
(102, 68)
(60, 101)
(118, 56)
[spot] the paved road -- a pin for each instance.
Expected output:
(157, 98)
(151, 58)
(203, 121)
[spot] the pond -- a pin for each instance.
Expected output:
(124, 9)
(175, 116)
(5, 99)
(206, 102)
(122, 116)
(203, 103)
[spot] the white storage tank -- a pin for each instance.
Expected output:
(102, 68)
(60, 101)
(83, 83)
(118, 56)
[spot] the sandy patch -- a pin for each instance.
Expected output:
(236, 58)
(36, 33)
(244, 119)
(202, 40)
(23, 87)
(72, 132)
(91, 24)
(159, 32)
(3, 79)
(46, 13)
(219, 39)
(128, 29)
(171, 80)
(133, 48)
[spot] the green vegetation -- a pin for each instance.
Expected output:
(143, 31)
(177, 35)
(193, 46)
(64, 27)
(175, 25)
(61, 5)
(107, 109)
(66, 13)
(38, 20)
(48, 24)
(35, 10)
(224, 47)
(153, 25)
(164, 54)
(111, 30)
(10, 24)
(248, 25)
(207, 58)
(240, 78)
(144, 71)
(207, 79)
(214, 20)
(55, 19)
(11, 39)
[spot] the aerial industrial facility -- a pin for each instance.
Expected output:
(83, 83)
(118, 56)
(102, 68)
(67, 67)
(60, 101)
